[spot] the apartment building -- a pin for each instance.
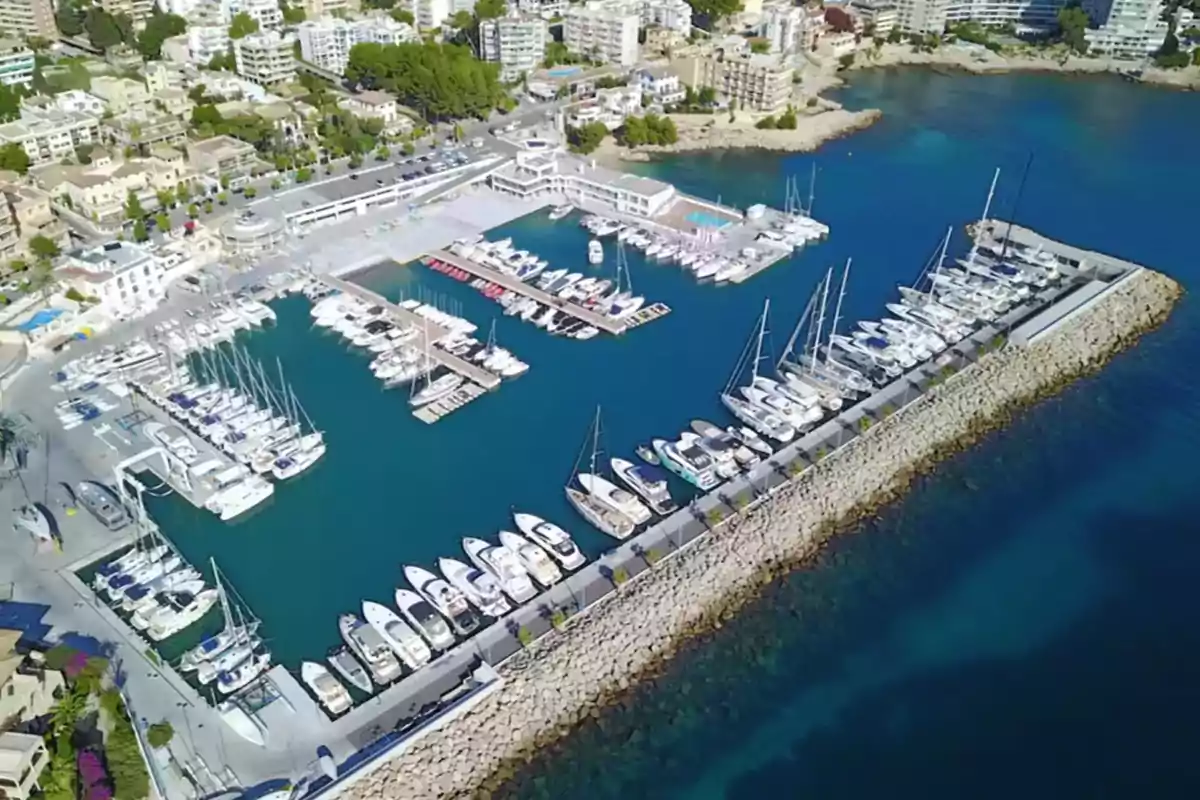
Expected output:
(25, 212)
(206, 41)
(73, 101)
(326, 42)
(1129, 29)
(516, 42)
(1025, 14)
(670, 15)
(50, 135)
(783, 28)
(266, 12)
(750, 81)
(120, 94)
(266, 58)
(137, 10)
(880, 16)
(99, 191)
(378, 105)
(602, 32)
(221, 155)
(161, 76)
(429, 14)
(125, 277)
(661, 85)
(27, 688)
(546, 9)
(28, 18)
(144, 128)
(314, 9)
(16, 63)
(23, 757)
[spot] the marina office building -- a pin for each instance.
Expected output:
(538, 174)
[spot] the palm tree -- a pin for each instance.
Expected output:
(17, 439)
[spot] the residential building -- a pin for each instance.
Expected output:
(539, 174)
(326, 42)
(381, 106)
(661, 85)
(206, 41)
(609, 106)
(751, 81)
(136, 10)
(602, 32)
(28, 18)
(286, 120)
(671, 15)
(125, 277)
(546, 9)
(16, 63)
(22, 759)
(428, 13)
(75, 101)
(49, 134)
(24, 214)
(658, 42)
(266, 58)
(182, 8)
(880, 16)
(175, 102)
(922, 16)
(516, 42)
(1026, 14)
(175, 51)
(783, 28)
(120, 94)
(221, 155)
(27, 689)
(161, 76)
(266, 12)
(141, 129)
(319, 8)
(99, 192)
(1125, 28)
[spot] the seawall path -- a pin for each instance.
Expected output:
(566, 677)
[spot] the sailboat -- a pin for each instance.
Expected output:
(599, 513)
(808, 372)
(238, 632)
(758, 418)
(621, 302)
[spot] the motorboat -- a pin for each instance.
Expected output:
(722, 441)
(759, 419)
(210, 670)
(601, 516)
(239, 498)
(719, 451)
(614, 497)
(479, 587)
(750, 439)
(648, 482)
(346, 665)
(244, 673)
(147, 572)
(503, 565)
(595, 252)
(688, 462)
(647, 454)
(445, 598)
(178, 610)
(425, 619)
(772, 403)
(436, 390)
(328, 690)
(533, 558)
(103, 504)
(143, 597)
(558, 212)
(551, 538)
(370, 648)
(398, 635)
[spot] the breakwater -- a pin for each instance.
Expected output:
(565, 678)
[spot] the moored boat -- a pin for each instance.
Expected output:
(244, 673)
(103, 504)
(346, 665)
(480, 588)
(366, 643)
(551, 538)
(614, 497)
(425, 619)
(398, 635)
(445, 598)
(533, 558)
(689, 463)
(328, 690)
(648, 482)
(503, 565)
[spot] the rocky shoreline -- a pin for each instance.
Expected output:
(567, 677)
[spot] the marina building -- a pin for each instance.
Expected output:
(428, 13)
(221, 155)
(23, 757)
(251, 234)
(753, 81)
(124, 277)
(516, 42)
(661, 85)
(602, 32)
(206, 41)
(16, 63)
(28, 18)
(326, 42)
(51, 135)
(533, 175)
(266, 58)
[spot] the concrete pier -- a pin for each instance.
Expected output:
(430, 332)
(513, 284)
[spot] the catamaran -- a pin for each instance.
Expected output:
(398, 635)
(551, 538)
(503, 565)
(479, 587)
(445, 598)
(648, 482)
(532, 558)
(328, 690)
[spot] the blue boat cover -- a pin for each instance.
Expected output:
(649, 474)
(877, 341)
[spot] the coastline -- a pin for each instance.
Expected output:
(565, 678)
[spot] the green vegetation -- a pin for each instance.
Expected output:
(864, 423)
(160, 734)
(223, 198)
(846, 61)
(586, 138)
(445, 82)
(699, 101)
(558, 619)
(162, 222)
(557, 54)
(193, 210)
(69, 17)
(794, 468)
(760, 45)
(1169, 56)
(106, 30)
(242, 25)
(133, 207)
(159, 28)
(821, 453)
(620, 576)
(785, 121)
(125, 764)
(249, 192)
(10, 103)
(400, 15)
(653, 556)
(610, 82)
(223, 62)
(43, 247)
(713, 11)
(650, 129)
(208, 206)
(1072, 22)
(303, 175)
(165, 198)
(75, 294)
(524, 636)
(13, 157)
(293, 15)
(140, 234)
(715, 516)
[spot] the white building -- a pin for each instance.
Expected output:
(880, 15)
(782, 27)
(378, 105)
(602, 32)
(1126, 28)
(546, 9)
(1025, 14)
(670, 15)
(72, 101)
(326, 42)
(50, 135)
(26, 18)
(266, 58)
(538, 174)
(266, 12)
(16, 63)
(517, 43)
(23, 757)
(181, 8)
(661, 85)
(125, 277)
(207, 41)
(428, 13)
(609, 106)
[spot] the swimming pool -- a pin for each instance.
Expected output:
(564, 72)
(702, 219)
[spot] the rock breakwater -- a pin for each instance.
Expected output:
(567, 677)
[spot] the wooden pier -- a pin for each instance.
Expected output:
(513, 284)
(465, 394)
(430, 333)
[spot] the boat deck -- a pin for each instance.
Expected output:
(518, 286)
(465, 394)
(429, 331)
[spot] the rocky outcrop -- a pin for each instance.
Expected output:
(567, 677)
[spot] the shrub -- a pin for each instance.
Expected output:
(821, 453)
(160, 734)
(558, 618)
(715, 516)
(766, 123)
(653, 556)
(864, 423)
(620, 575)
(524, 636)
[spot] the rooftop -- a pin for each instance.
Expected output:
(15, 750)
(372, 98)
(220, 146)
(99, 263)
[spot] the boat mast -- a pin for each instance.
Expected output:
(812, 190)
(804, 317)
(762, 332)
(821, 320)
(225, 609)
(595, 440)
(941, 259)
(837, 311)
(987, 207)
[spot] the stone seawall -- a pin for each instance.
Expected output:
(566, 677)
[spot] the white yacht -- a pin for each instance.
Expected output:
(239, 498)
(436, 390)
(551, 538)
(595, 252)
(346, 665)
(328, 690)
(558, 212)
(479, 587)
(722, 441)
(503, 565)
(244, 673)
(689, 463)
(601, 516)
(425, 619)
(445, 598)
(398, 635)
(178, 610)
(614, 497)
(532, 558)
(772, 403)
(648, 482)
(371, 649)
(721, 454)
(750, 439)
(208, 671)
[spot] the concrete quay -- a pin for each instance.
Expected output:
(735, 540)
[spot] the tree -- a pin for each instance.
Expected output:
(242, 25)
(223, 198)
(43, 247)
(407, 148)
(102, 29)
(159, 28)
(182, 192)
(400, 15)
(586, 138)
(225, 180)
(382, 153)
(69, 19)
(292, 15)
(208, 206)
(133, 207)
(787, 120)
(767, 123)
(249, 192)
(713, 11)
(557, 53)
(760, 46)
(380, 5)
(490, 9)
(303, 175)
(14, 158)
(707, 96)
(17, 439)
(160, 734)
(162, 222)
(140, 234)
(444, 82)
(223, 62)
(1072, 22)
(193, 210)
(10, 103)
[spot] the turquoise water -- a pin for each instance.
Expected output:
(705, 220)
(1023, 624)
(564, 72)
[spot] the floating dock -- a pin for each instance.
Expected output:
(648, 314)
(430, 333)
(448, 405)
(600, 321)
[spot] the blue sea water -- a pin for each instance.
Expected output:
(1024, 623)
